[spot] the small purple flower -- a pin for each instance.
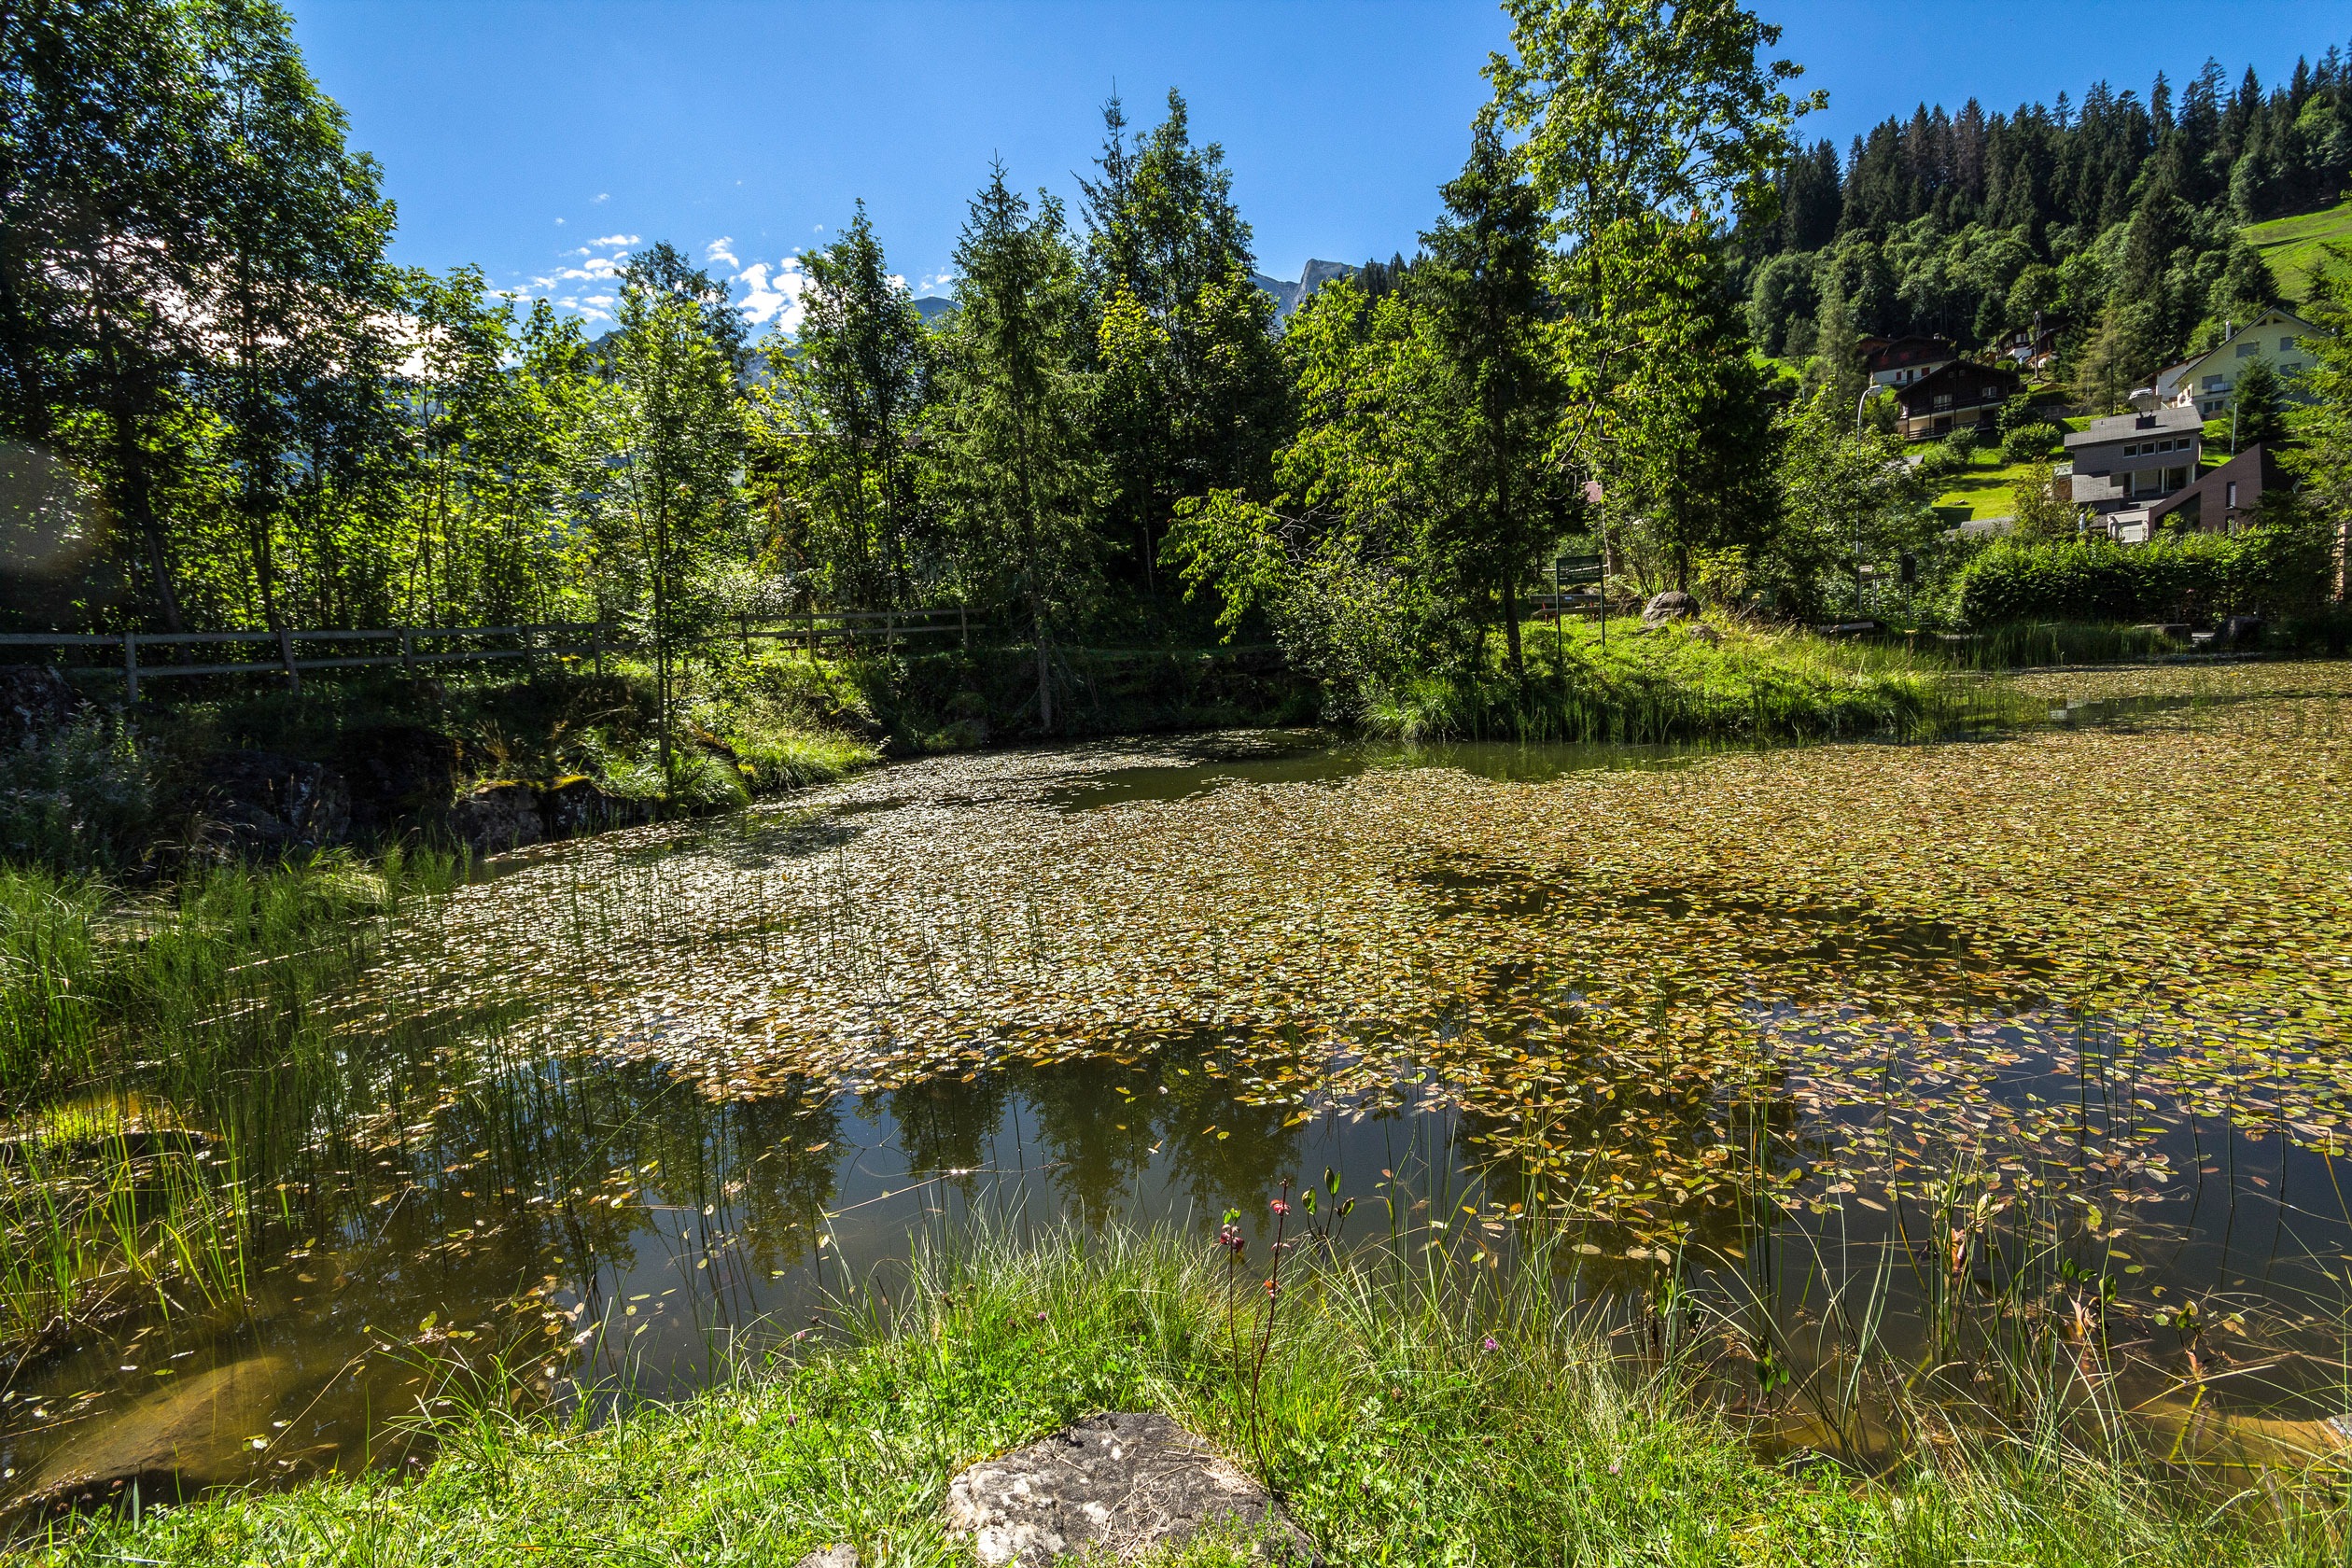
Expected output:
(1616, 1466)
(1229, 1237)
(1041, 1317)
(1488, 1346)
(1279, 1207)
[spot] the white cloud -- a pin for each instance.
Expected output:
(772, 293)
(614, 239)
(717, 251)
(935, 282)
(559, 223)
(601, 197)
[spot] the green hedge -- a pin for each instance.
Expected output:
(2177, 578)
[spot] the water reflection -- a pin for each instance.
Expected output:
(924, 989)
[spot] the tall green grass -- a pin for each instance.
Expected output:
(1416, 1409)
(218, 970)
(1673, 683)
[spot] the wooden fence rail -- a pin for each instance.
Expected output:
(811, 630)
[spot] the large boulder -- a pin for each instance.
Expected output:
(1112, 1486)
(34, 699)
(582, 805)
(1672, 605)
(260, 802)
(497, 817)
(399, 775)
(195, 1431)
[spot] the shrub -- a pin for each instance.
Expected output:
(2028, 441)
(1961, 443)
(2097, 579)
(1938, 463)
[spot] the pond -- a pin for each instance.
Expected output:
(1941, 1047)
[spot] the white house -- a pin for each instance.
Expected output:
(2204, 382)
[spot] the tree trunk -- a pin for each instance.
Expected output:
(1045, 681)
(1511, 622)
(138, 510)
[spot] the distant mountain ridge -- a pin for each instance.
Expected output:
(1287, 296)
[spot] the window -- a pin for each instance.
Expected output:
(1943, 402)
(2286, 344)
(1990, 395)
(2175, 479)
(2247, 350)
(2229, 499)
(2213, 384)
(2130, 451)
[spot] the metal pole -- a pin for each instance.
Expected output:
(130, 665)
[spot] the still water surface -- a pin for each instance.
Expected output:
(2007, 1023)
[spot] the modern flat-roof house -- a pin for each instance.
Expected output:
(1900, 361)
(2224, 500)
(1960, 395)
(2134, 459)
(2204, 382)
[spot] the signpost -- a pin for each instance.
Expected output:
(1576, 569)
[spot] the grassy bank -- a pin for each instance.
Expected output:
(1407, 1413)
(1732, 681)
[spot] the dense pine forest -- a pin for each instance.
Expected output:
(2112, 225)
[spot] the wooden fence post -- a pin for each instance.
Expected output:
(286, 657)
(130, 665)
(963, 626)
(408, 667)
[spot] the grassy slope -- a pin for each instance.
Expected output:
(1396, 1430)
(2291, 244)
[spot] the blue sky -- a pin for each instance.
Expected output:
(542, 139)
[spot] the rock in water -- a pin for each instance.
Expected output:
(196, 1435)
(582, 805)
(1669, 606)
(497, 817)
(1112, 1486)
(399, 775)
(260, 802)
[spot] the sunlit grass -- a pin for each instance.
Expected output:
(1414, 1409)
(1628, 683)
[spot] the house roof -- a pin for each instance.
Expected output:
(1906, 351)
(2255, 462)
(2276, 316)
(2123, 427)
(1922, 391)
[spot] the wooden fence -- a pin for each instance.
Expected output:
(289, 652)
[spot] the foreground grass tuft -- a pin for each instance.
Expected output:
(1405, 1417)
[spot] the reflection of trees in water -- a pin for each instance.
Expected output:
(945, 1125)
(1097, 1142)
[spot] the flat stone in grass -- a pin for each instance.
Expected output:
(1111, 1488)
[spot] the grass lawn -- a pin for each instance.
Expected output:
(1986, 489)
(2291, 244)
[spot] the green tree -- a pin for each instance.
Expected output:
(1685, 438)
(1190, 395)
(2258, 408)
(852, 395)
(1846, 500)
(2322, 456)
(1479, 293)
(1023, 478)
(1638, 116)
(678, 451)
